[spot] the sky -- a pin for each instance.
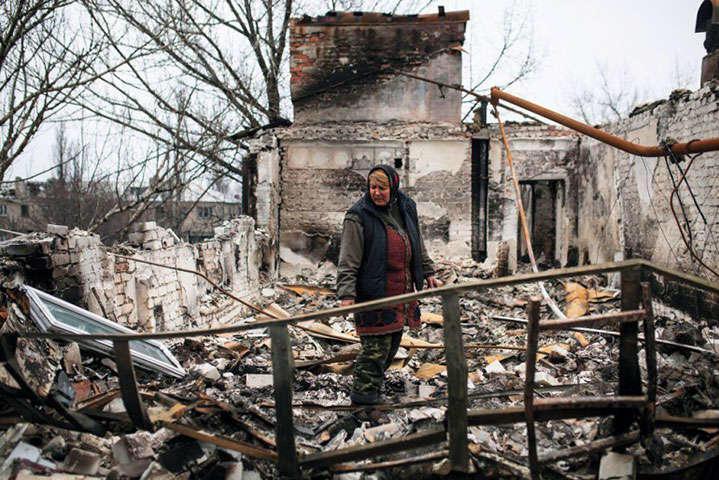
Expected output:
(639, 42)
(646, 45)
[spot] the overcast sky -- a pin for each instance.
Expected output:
(645, 42)
(649, 45)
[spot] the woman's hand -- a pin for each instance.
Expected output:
(346, 302)
(432, 282)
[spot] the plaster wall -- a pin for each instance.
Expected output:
(321, 179)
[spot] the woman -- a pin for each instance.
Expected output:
(381, 255)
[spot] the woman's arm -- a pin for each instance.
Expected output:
(351, 249)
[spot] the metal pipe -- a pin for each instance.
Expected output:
(693, 146)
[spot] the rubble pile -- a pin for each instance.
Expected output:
(218, 420)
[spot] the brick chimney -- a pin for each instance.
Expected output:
(343, 66)
(708, 22)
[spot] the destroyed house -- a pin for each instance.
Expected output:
(361, 98)
(493, 382)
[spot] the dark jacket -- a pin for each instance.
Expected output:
(372, 273)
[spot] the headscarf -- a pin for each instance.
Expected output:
(393, 177)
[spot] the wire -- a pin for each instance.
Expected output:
(656, 216)
(681, 204)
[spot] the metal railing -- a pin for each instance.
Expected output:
(629, 404)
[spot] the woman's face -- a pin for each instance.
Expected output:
(378, 193)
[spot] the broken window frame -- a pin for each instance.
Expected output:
(47, 321)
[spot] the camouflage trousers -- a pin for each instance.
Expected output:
(375, 356)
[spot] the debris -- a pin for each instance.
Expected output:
(307, 290)
(429, 370)
(155, 471)
(380, 432)
(258, 380)
(583, 342)
(426, 391)
(72, 360)
(82, 462)
(179, 453)
(617, 466)
(544, 379)
(25, 451)
(495, 367)
(133, 453)
(432, 318)
(577, 299)
(206, 370)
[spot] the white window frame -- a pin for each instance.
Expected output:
(46, 321)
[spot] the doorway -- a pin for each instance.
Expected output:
(543, 202)
(480, 184)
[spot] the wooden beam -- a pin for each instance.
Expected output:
(282, 378)
(530, 368)
(456, 384)
(556, 408)
(630, 380)
(650, 349)
(128, 385)
(361, 452)
(630, 316)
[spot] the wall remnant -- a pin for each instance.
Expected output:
(345, 59)
(74, 265)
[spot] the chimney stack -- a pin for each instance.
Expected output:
(708, 22)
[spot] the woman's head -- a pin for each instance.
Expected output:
(382, 183)
(379, 190)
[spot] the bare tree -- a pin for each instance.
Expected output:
(609, 98)
(44, 61)
(511, 60)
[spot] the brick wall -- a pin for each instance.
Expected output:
(324, 169)
(75, 266)
(340, 62)
(625, 200)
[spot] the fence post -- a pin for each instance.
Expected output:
(630, 380)
(282, 365)
(531, 366)
(650, 349)
(457, 384)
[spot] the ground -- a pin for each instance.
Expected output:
(228, 391)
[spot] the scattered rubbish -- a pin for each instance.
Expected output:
(258, 380)
(219, 421)
(617, 466)
(206, 370)
(429, 370)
